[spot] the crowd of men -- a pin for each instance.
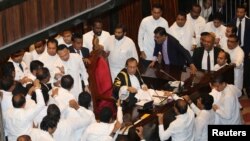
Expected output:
(45, 94)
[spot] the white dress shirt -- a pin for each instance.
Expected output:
(35, 55)
(49, 62)
(27, 58)
(202, 120)
(223, 43)
(146, 40)
(181, 129)
(217, 66)
(242, 29)
(237, 57)
(205, 13)
(70, 130)
(88, 38)
(19, 121)
(204, 60)
(76, 68)
(120, 51)
(19, 73)
(101, 131)
(198, 25)
(219, 31)
(134, 82)
(185, 35)
(40, 135)
(229, 106)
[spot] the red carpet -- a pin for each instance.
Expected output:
(245, 102)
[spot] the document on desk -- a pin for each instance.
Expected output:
(149, 95)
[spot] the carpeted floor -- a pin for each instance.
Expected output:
(245, 103)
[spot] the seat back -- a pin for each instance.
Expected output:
(100, 82)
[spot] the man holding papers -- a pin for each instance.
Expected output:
(131, 79)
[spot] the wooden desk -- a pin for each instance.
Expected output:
(154, 77)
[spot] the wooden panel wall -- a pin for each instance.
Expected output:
(33, 15)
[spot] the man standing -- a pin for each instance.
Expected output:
(243, 25)
(196, 20)
(96, 32)
(120, 48)
(173, 53)
(205, 57)
(146, 33)
(183, 32)
(72, 64)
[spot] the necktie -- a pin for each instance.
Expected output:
(78, 51)
(21, 67)
(239, 32)
(208, 61)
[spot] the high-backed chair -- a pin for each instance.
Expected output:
(100, 82)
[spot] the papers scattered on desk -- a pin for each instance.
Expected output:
(175, 83)
(149, 95)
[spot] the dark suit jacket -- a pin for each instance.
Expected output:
(246, 47)
(123, 79)
(177, 54)
(84, 51)
(198, 55)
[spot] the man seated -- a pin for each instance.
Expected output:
(130, 77)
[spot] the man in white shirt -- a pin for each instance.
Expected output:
(221, 60)
(48, 127)
(182, 128)
(22, 72)
(196, 21)
(49, 58)
(228, 107)
(183, 32)
(18, 120)
(237, 57)
(206, 8)
(230, 30)
(120, 48)
(96, 31)
(204, 115)
(40, 48)
(72, 64)
(65, 38)
(146, 33)
(216, 27)
(100, 131)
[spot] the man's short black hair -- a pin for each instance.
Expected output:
(53, 112)
(42, 73)
(47, 123)
(161, 31)
(105, 114)
(35, 65)
(218, 79)
(122, 26)
(218, 16)
(6, 82)
(234, 28)
(61, 47)
(181, 106)
(132, 59)
(67, 82)
(7, 69)
(207, 100)
(52, 40)
(76, 36)
(84, 99)
(18, 100)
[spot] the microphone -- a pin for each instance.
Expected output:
(179, 88)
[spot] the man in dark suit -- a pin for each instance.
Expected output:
(205, 57)
(77, 47)
(172, 52)
(243, 27)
